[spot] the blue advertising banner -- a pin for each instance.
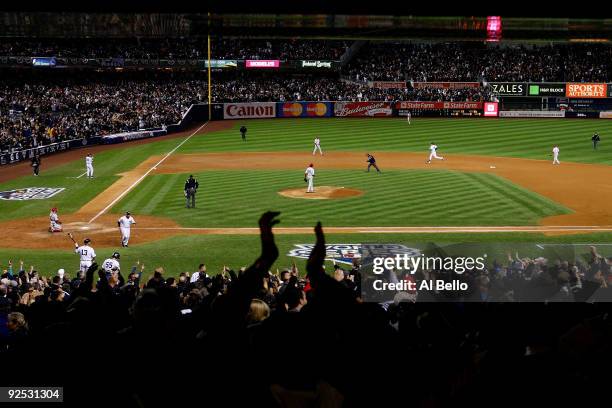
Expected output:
(304, 109)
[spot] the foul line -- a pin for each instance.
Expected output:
(82, 175)
(120, 196)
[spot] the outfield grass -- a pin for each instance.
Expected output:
(525, 138)
(394, 198)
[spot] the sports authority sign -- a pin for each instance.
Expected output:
(249, 110)
(30, 193)
(439, 105)
(262, 63)
(346, 253)
(362, 109)
(583, 90)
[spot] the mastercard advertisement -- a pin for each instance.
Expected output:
(304, 109)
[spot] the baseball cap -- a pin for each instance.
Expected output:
(87, 240)
(116, 254)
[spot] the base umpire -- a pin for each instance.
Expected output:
(191, 188)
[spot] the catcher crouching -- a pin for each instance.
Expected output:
(55, 225)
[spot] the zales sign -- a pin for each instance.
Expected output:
(249, 110)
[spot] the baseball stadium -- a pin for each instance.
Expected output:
(163, 177)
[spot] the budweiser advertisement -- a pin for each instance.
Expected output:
(249, 110)
(439, 105)
(304, 109)
(262, 63)
(363, 109)
(585, 90)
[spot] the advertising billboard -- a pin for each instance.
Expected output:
(388, 85)
(304, 109)
(362, 109)
(262, 63)
(545, 89)
(586, 90)
(508, 88)
(254, 110)
(316, 64)
(491, 109)
(438, 105)
(445, 85)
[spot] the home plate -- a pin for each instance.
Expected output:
(85, 228)
(492, 167)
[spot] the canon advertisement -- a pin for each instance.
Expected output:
(546, 89)
(262, 64)
(508, 88)
(304, 109)
(439, 105)
(585, 90)
(249, 110)
(363, 109)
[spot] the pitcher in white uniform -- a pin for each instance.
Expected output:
(317, 145)
(125, 224)
(433, 154)
(309, 176)
(86, 253)
(555, 151)
(89, 165)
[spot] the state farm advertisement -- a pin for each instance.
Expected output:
(249, 110)
(304, 109)
(584, 90)
(262, 63)
(363, 109)
(439, 105)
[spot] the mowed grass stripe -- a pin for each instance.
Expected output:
(393, 198)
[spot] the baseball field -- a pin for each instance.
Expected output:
(497, 183)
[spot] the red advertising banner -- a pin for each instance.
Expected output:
(491, 109)
(445, 85)
(388, 85)
(262, 63)
(362, 109)
(249, 110)
(439, 105)
(585, 90)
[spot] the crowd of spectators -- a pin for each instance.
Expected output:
(473, 61)
(279, 88)
(175, 48)
(285, 49)
(42, 112)
(293, 338)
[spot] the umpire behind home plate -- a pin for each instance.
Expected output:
(191, 188)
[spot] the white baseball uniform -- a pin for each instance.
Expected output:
(87, 255)
(408, 117)
(310, 172)
(433, 154)
(89, 166)
(317, 145)
(111, 263)
(125, 225)
(53, 221)
(556, 155)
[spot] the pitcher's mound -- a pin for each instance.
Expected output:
(321, 193)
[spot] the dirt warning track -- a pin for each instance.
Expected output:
(584, 188)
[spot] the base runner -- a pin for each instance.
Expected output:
(317, 145)
(89, 165)
(433, 154)
(125, 224)
(555, 151)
